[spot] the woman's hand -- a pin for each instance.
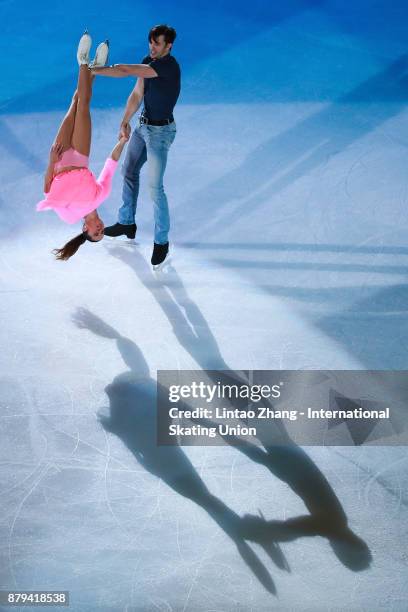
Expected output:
(56, 152)
(124, 131)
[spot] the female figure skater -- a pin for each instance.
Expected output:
(69, 187)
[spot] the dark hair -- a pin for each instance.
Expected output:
(69, 249)
(168, 32)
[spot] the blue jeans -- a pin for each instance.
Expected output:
(148, 143)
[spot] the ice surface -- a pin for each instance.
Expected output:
(288, 188)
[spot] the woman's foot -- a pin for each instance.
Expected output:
(101, 55)
(84, 47)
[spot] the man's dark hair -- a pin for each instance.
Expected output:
(168, 32)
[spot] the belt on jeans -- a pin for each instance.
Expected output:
(148, 121)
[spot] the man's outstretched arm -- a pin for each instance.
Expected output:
(126, 70)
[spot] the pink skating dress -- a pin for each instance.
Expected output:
(76, 193)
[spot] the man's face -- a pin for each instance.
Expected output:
(159, 47)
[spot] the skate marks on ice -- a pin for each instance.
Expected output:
(278, 163)
(367, 318)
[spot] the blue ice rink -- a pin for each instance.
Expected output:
(288, 188)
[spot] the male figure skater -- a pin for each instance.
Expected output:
(158, 87)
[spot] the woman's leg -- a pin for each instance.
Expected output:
(81, 135)
(64, 134)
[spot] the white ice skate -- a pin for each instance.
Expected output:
(84, 48)
(101, 55)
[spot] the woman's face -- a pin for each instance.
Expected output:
(94, 228)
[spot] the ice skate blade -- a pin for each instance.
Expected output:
(162, 265)
(122, 239)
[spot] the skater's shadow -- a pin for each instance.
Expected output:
(133, 418)
(280, 455)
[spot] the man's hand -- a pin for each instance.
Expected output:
(56, 152)
(125, 130)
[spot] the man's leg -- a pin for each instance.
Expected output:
(158, 141)
(134, 160)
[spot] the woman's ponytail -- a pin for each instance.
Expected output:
(69, 249)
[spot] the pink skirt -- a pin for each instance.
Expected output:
(76, 193)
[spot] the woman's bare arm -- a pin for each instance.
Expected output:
(118, 148)
(55, 155)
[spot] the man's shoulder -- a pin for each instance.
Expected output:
(170, 65)
(173, 60)
(168, 60)
(166, 67)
